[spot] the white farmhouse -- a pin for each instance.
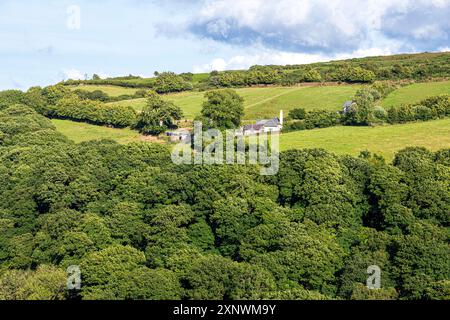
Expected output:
(274, 125)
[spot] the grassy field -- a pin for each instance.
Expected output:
(416, 92)
(112, 91)
(80, 132)
(385, 140)
(309, 98)
(265, 102)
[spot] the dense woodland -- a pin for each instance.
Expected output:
(141, 227)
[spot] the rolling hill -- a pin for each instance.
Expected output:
(416, 92)
(265, 102)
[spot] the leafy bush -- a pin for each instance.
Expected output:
(313, 120)
(297, 114)
(380, 114)
(322, 119)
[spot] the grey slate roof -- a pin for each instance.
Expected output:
(254, 127)
(275, 122)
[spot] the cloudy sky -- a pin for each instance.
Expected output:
(46, 41)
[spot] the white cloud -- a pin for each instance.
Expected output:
(431, 31)
(263, 56)
(331, 26)
(72, 74)
(218, 64)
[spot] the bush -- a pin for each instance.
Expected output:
(354, 75)
(423, 113)
(380, 114)
(297, 114)
(440, 104)
(322, 119)
(313, 120)
(158, 116)
(294, 126)
(96, 95)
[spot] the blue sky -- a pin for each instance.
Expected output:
(119, 37)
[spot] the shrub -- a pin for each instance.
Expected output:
(405, 114)
(380, 114)
(440, 104)
(295, 126)
(297, 114)
(322, 119)
(96, 95)
(424, 113)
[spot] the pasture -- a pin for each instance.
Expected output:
(81, 132)
(265, 102)
(415, 93)
(383, 140)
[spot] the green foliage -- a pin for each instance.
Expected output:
(46, 283)
(297, 114)
(353, 74)
(158, 116)
(95, 112)
(11, 97)
(140, 227)
(169, 82)
(223, 109)
(362, 110)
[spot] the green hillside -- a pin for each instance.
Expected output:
(265, 102)
(309, 98)
(416, 92)
(383, 140)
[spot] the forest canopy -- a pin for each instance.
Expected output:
(140, 227)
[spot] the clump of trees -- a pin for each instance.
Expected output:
(158, 115)
(167, 82)
(353, 75)
(223, 109)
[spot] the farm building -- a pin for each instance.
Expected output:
(274, 125)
